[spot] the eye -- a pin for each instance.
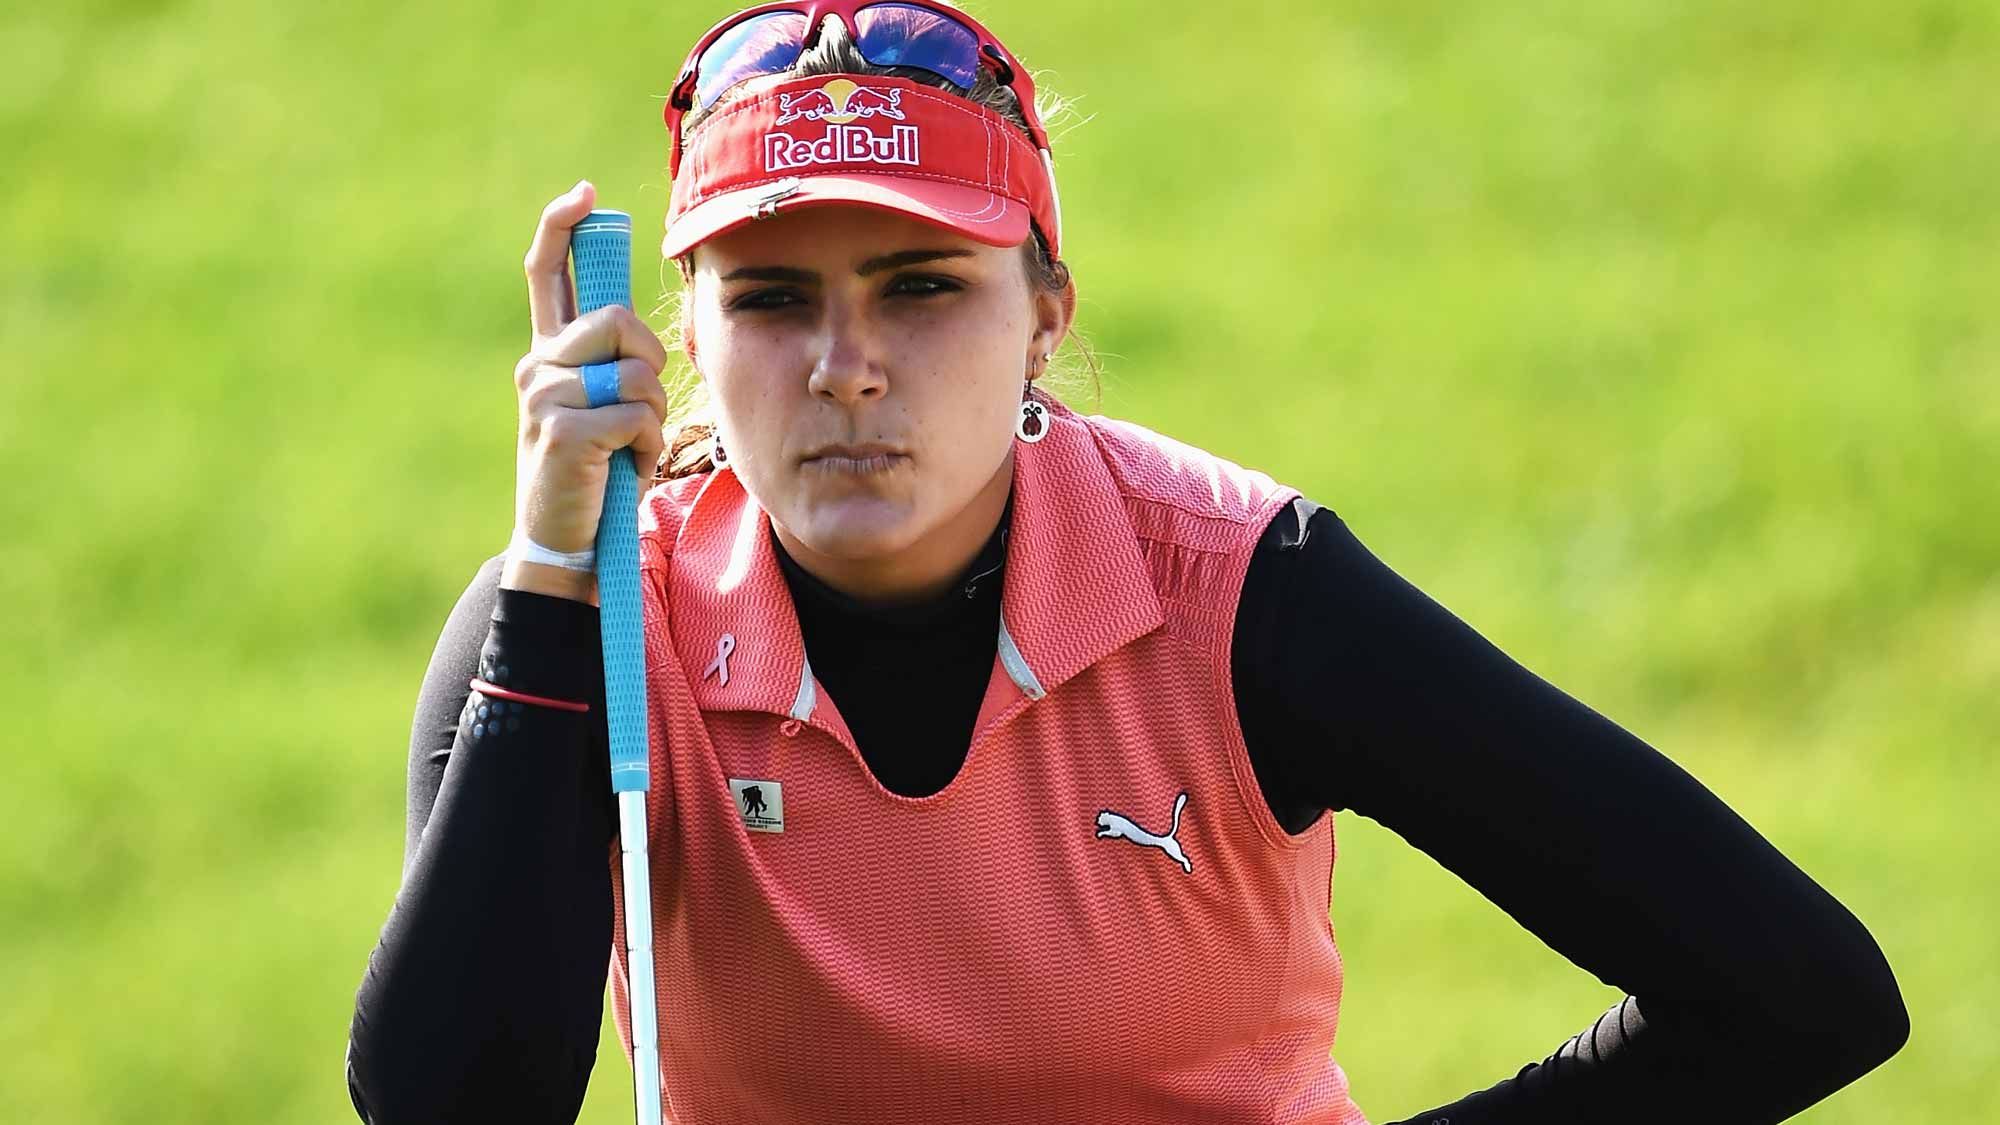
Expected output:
(758, 299)
(923, 285)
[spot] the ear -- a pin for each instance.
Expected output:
(684, 309)
(1053, 316)
(688, 345)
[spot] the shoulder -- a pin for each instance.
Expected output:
(664, 509)
(1163, 478)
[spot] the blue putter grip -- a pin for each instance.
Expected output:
(601, 248)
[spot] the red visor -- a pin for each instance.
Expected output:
(881, 142)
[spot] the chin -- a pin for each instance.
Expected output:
(857, 527)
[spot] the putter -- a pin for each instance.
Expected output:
(601, 248)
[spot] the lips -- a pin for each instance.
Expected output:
(861, 452)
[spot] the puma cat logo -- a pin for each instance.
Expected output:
(1111, 825)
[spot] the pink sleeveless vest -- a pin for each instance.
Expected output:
(1097, 920)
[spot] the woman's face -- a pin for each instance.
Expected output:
(841, 325)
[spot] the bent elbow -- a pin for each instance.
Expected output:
(1882, 1019)
(1895, 1033)
(1857, 1008)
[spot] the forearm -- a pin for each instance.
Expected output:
(1624, 1068)
(483, 998)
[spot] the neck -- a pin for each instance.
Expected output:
(928, 568)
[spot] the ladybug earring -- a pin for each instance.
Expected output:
(1033, 421)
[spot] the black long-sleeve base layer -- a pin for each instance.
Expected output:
(1760, 993)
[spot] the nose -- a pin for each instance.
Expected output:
(847, 369)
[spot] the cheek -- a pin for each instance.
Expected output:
(742, 364)
(995, 379)
(979, 416)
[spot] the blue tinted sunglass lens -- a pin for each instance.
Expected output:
(767, 44)
(906, 35)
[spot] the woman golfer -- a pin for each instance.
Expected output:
(994, 745)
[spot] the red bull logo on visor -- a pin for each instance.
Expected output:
(839, 101)
(836, 104)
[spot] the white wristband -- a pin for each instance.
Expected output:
(527, 550)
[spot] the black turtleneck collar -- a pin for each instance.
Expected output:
(976, 589)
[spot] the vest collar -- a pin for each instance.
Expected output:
(1077, 587)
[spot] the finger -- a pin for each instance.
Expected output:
(601, 334)
(647, 449)
(551, 291)
(551, 387)
(608, 428)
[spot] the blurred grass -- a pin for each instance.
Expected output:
(1656, 341)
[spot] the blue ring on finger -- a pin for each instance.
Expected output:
(600, 383)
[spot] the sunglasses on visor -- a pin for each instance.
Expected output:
(769, 38)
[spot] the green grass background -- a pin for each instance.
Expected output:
(1656, 340)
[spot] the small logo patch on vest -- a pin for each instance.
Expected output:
(761, 804)
(1115, 826)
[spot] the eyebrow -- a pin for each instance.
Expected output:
(872, 265)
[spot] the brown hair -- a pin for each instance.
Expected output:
(689, 423)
